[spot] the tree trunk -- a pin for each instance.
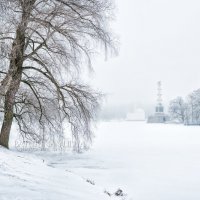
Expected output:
(14, 76)
(7, 122)
(13, 80)
(8, 110)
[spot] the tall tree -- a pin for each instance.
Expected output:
(193, 108)
(44, 45)
(177, 109)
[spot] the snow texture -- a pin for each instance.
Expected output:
(145, 161)
(26, 177)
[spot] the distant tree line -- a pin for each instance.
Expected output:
(186, 111)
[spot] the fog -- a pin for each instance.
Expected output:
(159, 40)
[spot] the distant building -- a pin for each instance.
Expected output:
(159, 115)
(138, 115)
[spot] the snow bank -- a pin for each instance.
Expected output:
(26, 177)
(146, 161)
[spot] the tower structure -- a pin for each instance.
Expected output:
(159, 107)
(159, 115)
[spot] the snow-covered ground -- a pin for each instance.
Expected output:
(26, 177)
(147, 161)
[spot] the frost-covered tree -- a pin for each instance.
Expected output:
(193, 108)
(44, 45)
(177, 109)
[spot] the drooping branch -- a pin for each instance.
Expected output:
(51, 41)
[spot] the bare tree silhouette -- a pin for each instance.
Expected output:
(44, 45)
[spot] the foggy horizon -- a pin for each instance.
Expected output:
(159, 41)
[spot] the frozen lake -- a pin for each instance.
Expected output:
(147, 161)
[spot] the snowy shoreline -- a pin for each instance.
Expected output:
(148, 162)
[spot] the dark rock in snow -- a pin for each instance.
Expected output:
(119, 192)
(90, 181)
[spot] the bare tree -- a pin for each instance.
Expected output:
(44, 45)
(193, 108)
(177, 109)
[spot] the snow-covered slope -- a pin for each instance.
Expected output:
(27, 177)
(147, 161)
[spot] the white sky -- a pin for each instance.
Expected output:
(159, 40)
